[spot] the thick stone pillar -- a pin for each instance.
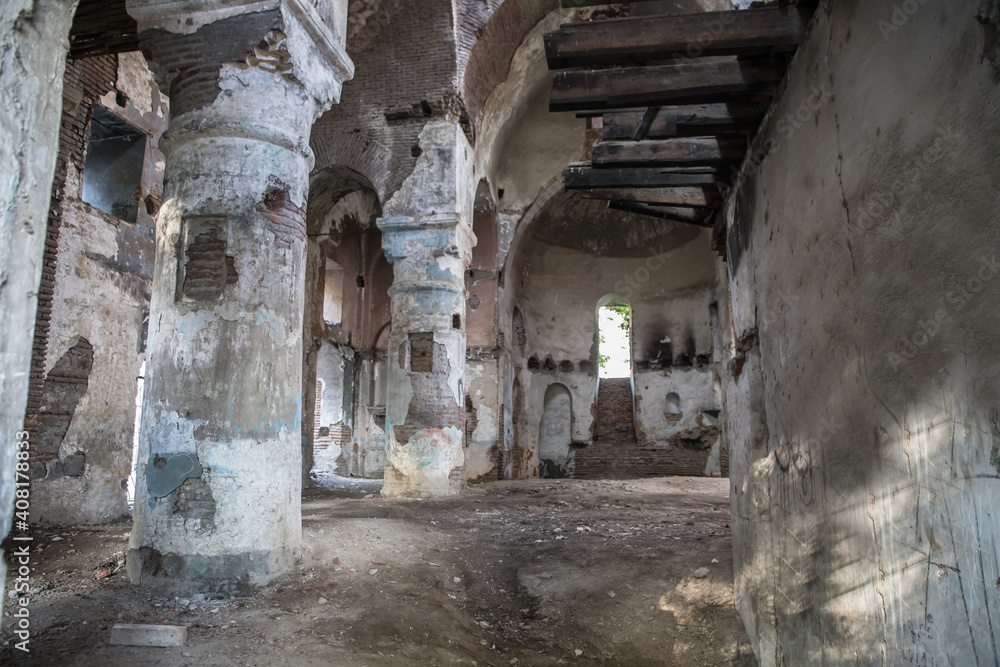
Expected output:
(218, 480)
(427, 236)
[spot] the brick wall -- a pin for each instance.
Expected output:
(90, 78)
(433, 404)
(631, 460)
(192, 62)
(207, 269)
(403, 54)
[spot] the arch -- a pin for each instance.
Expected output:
(381, 339)
(329, 192)
(554, 188)
(495, 30)
(353, 151)
(555, 432)
(343, 245)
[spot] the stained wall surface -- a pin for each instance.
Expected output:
(90, 337)
(33, 35)
(860, 394)
(567, 265)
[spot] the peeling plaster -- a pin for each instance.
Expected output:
(173, 435)
(164, 474)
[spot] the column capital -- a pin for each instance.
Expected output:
(312, 34)
(417, 241)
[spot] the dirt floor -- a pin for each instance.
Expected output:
(541, 572)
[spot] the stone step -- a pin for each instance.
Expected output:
(624, 459)
(615, 417)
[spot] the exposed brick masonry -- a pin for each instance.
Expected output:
(192, 62)
(489, 45)
(208, 269)
(63, 388)
(433, 405)
(91, 78)
(288, 221)
(404, 54)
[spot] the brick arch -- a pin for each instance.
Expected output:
(355, 151)
(488, 36)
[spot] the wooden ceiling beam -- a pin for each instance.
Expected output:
(697, 152)
(585, 177)
(687, 198)
(573, 4)
(642, 39)
(687, 83)
(698, 120)
(663, 213)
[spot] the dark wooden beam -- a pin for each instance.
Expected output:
(571, 4)
(687, 83)
(641, 39)
(697, 120)
(642, 129)
(678, 197)
(698, 152)
(585, 178)
(719, 233)
(663, 213)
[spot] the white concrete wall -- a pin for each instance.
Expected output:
(33, 37)
(557, 291)
(482, 387)
(863, 424)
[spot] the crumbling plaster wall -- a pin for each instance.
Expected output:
(520, 148)
(484, 410)
(428, 237)
(101, 293)
(33, 39)
(483, 368)
(405, 54)
(341, 226)
(861, 402)
(557, 290)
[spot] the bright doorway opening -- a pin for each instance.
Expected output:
(615, 337)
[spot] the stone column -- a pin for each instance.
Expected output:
(218, 482)
(427, 236)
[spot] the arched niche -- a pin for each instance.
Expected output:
(672, 407)
(555, 432)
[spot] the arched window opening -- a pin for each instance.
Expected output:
(333, 293)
